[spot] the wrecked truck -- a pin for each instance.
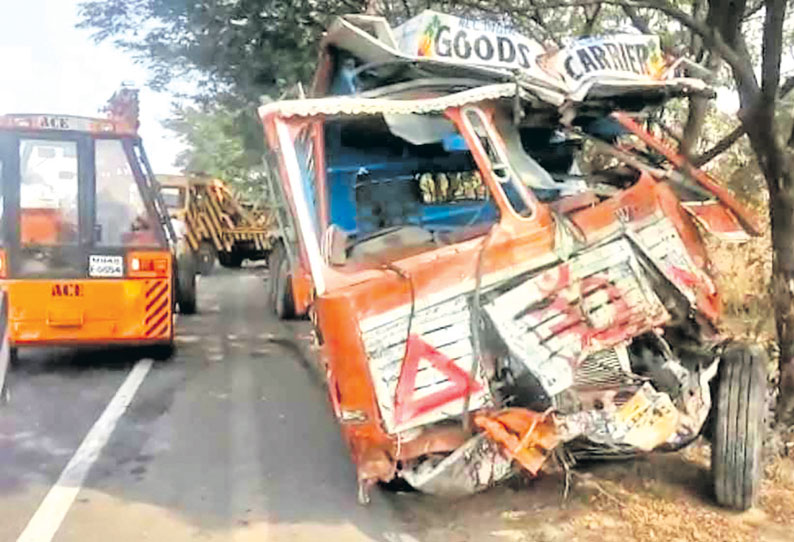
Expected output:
(483, 306)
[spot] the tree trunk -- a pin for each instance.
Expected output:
(772, 158)
(698, 107)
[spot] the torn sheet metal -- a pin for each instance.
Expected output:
(551, 321)
(694, 405)
(665, 248)
(647, 420)
(476, 466)
(718, 220)
(442, 335)
(526, 436)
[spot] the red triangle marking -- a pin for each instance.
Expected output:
(405, 407)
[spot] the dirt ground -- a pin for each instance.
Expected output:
(659, 497)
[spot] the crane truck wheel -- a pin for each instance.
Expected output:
(186, 282)
(206, 258)
(231, 259)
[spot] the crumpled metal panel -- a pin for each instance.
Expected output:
(477, 465)
(356, 106)
(446, 327)
(599, 298)
(665, 248)
(644, 422)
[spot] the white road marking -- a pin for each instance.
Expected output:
(399, 537)
(52, 510)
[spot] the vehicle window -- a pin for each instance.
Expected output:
(499, 163)
(121, 216)
(304, 150)
(173, 196)
(402, 181)
(398, 184)
(48, 192)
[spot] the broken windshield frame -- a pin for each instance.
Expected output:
(400, 184)
(501, 164)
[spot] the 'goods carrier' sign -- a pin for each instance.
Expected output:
(473, 41)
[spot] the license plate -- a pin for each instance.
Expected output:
(105, 266)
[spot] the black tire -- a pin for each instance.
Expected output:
(186, 283)
(231, 259)
(13, 356)
(273, 264)
(739, 424)
(284, 303)
(206, 258)
(161, 352)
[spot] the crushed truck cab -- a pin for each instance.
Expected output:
(481, 302)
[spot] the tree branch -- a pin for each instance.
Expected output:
(721, 146)
(786, 87)
(536, 18)
(695, 41)
(590, 20)
(752, 10)
(407, 9)
(726, 142)
(772, 50)
(637, 20)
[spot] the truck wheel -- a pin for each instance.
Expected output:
(284, 304)
(206, 258)
(13, 356)
(161, 352)
(186, 283)
(231, 259)
(739, 426)
(273, 263)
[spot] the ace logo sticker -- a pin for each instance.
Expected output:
(105, 266)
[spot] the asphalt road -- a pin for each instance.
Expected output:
(231, 439)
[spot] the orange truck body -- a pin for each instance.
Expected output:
(505, 260)
(356, 305)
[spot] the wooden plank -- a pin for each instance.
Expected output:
(213, 233)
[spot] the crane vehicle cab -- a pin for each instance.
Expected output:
(87, 253)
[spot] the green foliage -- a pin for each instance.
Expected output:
(222, 142)
(249, 47)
